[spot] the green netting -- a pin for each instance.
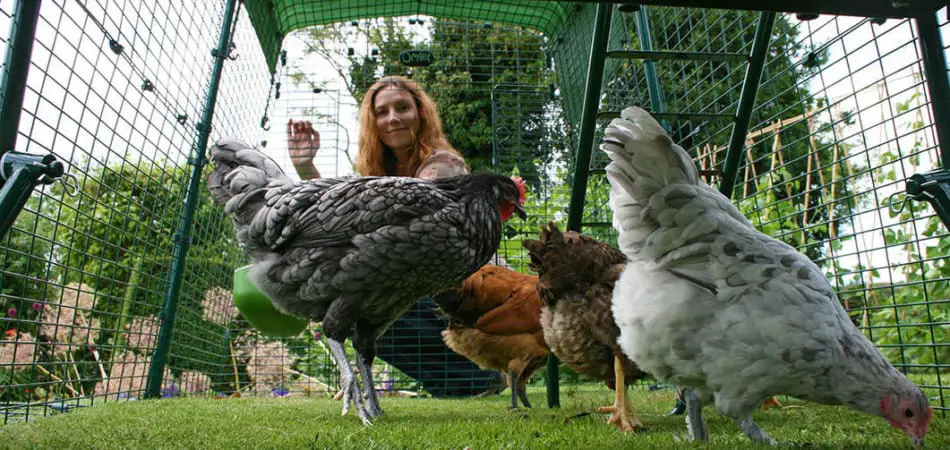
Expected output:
(571, 54)
(82, 278)
(823, 169)
(278, 18)
(841, 120)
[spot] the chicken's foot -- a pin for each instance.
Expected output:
(365, 363)
(622, 413)
(751, 429)
(351, 388)
(694, 416)
(680, 407)
(773, 402)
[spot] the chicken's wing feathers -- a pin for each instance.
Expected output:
(333, 212)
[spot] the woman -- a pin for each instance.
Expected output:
(401, 135)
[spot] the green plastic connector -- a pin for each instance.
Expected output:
(258, 310)
(20, 173)
(933, 187)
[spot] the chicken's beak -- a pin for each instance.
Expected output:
(917, 435)
(519, 210)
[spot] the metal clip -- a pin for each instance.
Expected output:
(70, 184)
(903, 203)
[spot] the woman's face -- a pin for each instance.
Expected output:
(397, 118)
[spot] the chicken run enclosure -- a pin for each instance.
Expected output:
(116, 268)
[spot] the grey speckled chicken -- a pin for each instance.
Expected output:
(576, 280)
(356, 252)
(713, 305)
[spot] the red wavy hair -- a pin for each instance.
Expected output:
(371, 156)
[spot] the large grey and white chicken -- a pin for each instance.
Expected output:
(711, 304)
(357, 252)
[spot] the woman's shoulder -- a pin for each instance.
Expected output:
(441, 164)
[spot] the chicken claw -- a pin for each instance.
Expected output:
(622, 413)
(624, 418)
(349, 385)
(756, 434)
(773, 402)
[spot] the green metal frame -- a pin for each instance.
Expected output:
(649, 66)
(935, 67)
(16, 66)
(934, 187)
(19, 172)
(595, 78)
(750, 87)
(183, 235)
(866, 8)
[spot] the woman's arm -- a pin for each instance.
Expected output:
(442, 164)
(303, 142)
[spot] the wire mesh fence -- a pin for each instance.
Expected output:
(117, 90)
(841, 120)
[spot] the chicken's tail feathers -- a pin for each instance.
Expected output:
(239, 169)
(538, 248)
(447, 300)
(449, 306)
(643, 157)
(643, 160)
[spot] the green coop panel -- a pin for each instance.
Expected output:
(123, 275)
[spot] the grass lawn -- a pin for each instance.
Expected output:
(424, 423)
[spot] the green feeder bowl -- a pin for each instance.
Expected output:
(257, 308)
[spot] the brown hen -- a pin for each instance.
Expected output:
(577, 275)
(495, 322)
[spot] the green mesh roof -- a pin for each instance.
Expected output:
(274, 19)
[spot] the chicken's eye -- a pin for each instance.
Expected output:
(908, 412)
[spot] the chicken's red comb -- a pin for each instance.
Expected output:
(521, 187)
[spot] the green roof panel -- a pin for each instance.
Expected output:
(274, 19)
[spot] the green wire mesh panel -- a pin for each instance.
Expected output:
(824, 170)
(530, 139)
(275, 19)
(841, 120)
(83, 277)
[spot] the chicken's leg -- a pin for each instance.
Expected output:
(365, 363)
(751, 429)
(523, 390)
(680, 407)
(622, 413)
(351, 388)
(513, 385)
(364, 341)
(694, 416)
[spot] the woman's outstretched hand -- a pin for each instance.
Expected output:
(303, 142)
